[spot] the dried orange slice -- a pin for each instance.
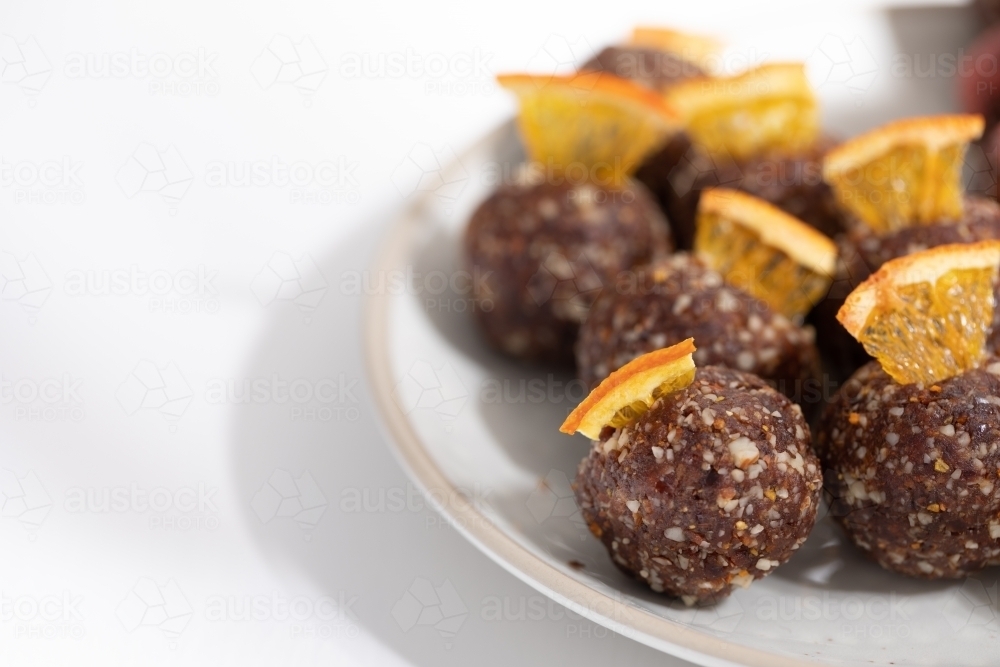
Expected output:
(767, 109)
(926, 316)
(629, 391)
(905, 173)
(593, 120)
(697, 49)
(764, 251)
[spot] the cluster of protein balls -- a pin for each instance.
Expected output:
(742, 264)
(717, 484)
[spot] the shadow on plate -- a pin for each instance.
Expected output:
(376, 539)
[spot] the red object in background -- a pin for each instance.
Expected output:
(979, 76)
(988, 10)
(979, 92)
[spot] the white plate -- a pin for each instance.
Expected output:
(492, 460)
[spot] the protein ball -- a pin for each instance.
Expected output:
(648, 67)
(677, 298)
(980, 221)
(542, 253)
(862, 252)
(678, 172)
(912, 470)
(714, 486)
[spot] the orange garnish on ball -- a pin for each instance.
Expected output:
(696, 49)
(769, 109)
(764, 251)
(905, 173)
(925, 317)
(628, 392)
(595, 120)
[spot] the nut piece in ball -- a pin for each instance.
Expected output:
(678, 297)
(771, 268)
(540, 254)
(909, 442)
(702, 480)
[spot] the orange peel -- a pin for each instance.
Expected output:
(764, 251)
(768, 109)
(632, 389)
(606, 124)
(696, 49)
(926, 316)
(905, 173)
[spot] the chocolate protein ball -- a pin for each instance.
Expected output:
(912, 470)
(678, 172)
(714, 486)
(980, 221)
(862, 252)
(648, 67)
(542, 254)
(677, 298)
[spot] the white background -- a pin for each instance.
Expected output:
(139, 585)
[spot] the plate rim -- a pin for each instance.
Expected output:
(676, 639)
